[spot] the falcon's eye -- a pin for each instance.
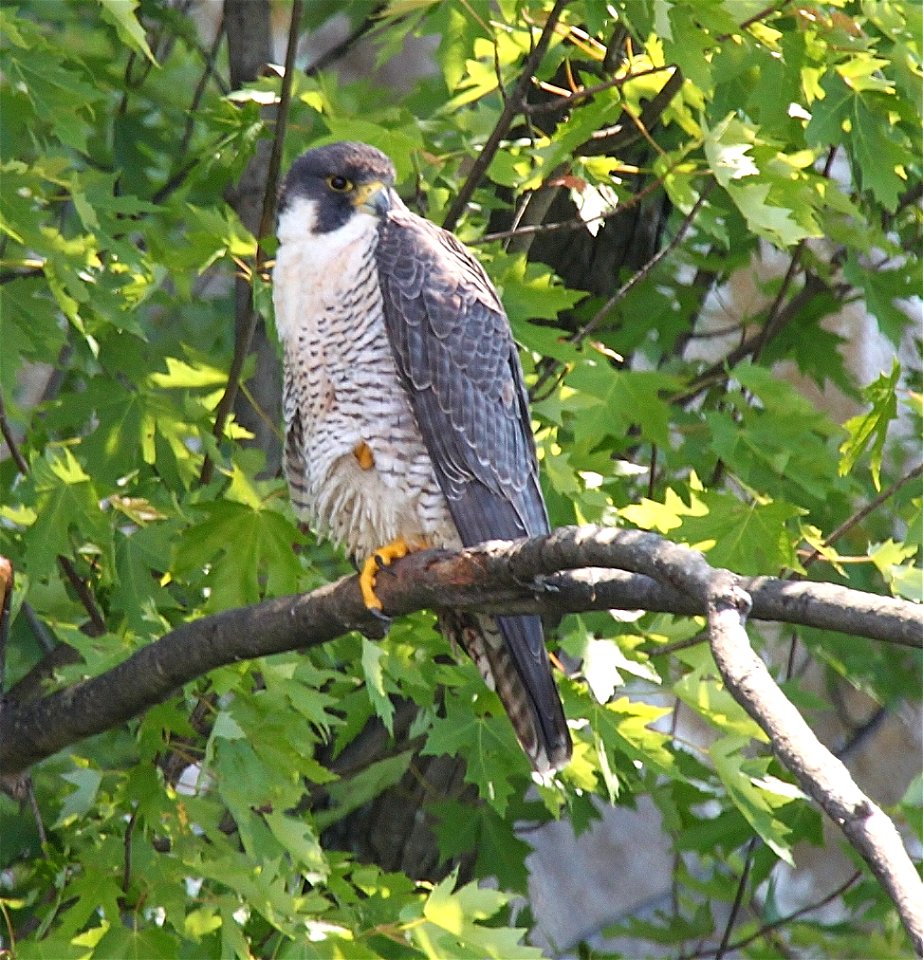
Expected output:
(339, 184)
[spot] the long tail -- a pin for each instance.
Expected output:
(510, 654)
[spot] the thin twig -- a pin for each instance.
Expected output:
(339, 49)
(20, 461)
(718, 372)
(9, 276)
(863, 512)
(210, 57)
(36, 812)
(97, 621)
(612, 139)
(511, 108)
(757, 17)
(646, 270)
(776, 924)
(178, 176)
(769, 330)
(244, 340)
(560, 103)
(772, 327)
(738, 899)
(126, 864)
(578, 223)
(41, 632)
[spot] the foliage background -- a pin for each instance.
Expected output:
(235, 819)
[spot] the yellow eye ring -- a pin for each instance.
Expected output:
(339, 184)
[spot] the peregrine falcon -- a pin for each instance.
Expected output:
(407, 421)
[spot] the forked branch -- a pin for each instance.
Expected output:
(612, 568)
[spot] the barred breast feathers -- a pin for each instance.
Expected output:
(341, 389)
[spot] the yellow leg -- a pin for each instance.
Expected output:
(380, 558)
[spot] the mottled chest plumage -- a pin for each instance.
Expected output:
(358, 470)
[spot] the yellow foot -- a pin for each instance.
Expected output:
(380, 558)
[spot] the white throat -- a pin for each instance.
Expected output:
(310, 266)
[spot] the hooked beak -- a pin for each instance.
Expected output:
(372, 198)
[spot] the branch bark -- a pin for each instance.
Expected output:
(651, 572)
(822, 775)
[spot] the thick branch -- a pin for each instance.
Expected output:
(494, 577)
(820, 773)
(503, 576)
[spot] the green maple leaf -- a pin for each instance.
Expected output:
(66, 497)
(868, 431)
(452, 927)
(240, 544)
(372, 655)
(756, 795)
(487, 745)
(747, 536)
(879, 151)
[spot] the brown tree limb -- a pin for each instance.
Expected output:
(493, 577)
(820, 773)
(498, 570)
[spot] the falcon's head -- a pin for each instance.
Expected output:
(328, 186)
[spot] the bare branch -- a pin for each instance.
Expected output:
(585, 92)
(820, 773)
(97, 625)
(647, 269)
(862, 513)
(342, 47)
(738, 899)
(7, 432)
(494, 577)
(780, 922)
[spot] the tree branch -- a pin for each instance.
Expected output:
(520, 577)
(503, 576)
(820, 773)
(246, 330)
(863, 512)
(512, 106)
(646, 270)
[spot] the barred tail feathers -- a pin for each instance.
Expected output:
(510, 655)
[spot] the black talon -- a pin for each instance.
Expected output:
(379, 626)
(543, 584)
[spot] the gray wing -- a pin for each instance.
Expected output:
(456, 356)
(457, 360)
